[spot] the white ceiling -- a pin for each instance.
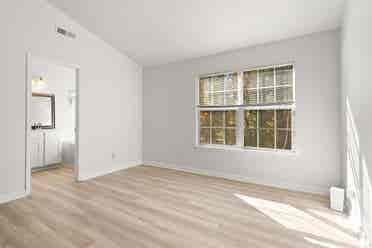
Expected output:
(154, 32)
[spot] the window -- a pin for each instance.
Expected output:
(268, 128)
(247, 109)
(218, 127)
(219, 90)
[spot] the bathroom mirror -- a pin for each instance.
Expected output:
(43, 111)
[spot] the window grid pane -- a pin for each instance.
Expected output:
(250, 137)
(267, 96)
(230, 118)
(269, 128)
(218, 118)
(231, 81)
(284, 139)
(219, 90)
(218, 136)
(218, 83)
(266, 77)
(204, 136)
(231, 89)
(250, 118)
(250, 79)
(284, 94)
(266, 138)
(204, 89)
(217, 127)
(284, 75)
(250, 96)
(218, 98)
(230, 136)
(205, 119)
(231, 97)
(250, 128)
(284, 119)
(284, 129)
(266, 119)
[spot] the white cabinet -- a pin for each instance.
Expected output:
(45, 149)
(37, 149)
(52, 148)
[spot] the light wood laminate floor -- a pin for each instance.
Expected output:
(151, 207)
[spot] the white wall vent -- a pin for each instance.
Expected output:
(66, 33)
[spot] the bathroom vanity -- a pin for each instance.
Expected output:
(45, 148)
(45, 143)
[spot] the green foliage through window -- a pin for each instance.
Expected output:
(217, 127)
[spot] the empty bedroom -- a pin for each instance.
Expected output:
(192, 123)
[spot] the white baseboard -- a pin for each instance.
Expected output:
(288, 186)
(109, 171)
(4, 198)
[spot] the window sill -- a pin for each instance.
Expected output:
(246, 149)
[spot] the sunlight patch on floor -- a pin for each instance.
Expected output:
(301, 221)
(336, 219)
(321, 243)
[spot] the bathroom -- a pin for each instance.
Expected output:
(52, 116)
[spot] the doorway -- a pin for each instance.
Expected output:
(52, 118)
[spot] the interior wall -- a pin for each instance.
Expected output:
(169, 116)
(61, 82)
(110, 92)
(357, 110)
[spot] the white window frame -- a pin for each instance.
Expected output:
(240, 108)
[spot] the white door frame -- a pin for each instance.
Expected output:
(29, 59)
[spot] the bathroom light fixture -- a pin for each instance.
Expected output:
(38, 81)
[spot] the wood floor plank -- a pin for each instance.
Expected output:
(147, 206)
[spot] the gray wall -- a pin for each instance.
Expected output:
(110, 92)
(169, 117)
(357, 109)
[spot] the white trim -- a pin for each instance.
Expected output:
(240, 88)
(29, 58)
(4, 198)
(258, 89)
(197, 113)
(275, 87)
(110, 171)
(77, 124)
(258, 115)
(270, 87)
(247, 149)
(288, 186)
(222, 108)
(252, 107)
(245, 69)
(276, 130)
(28, 124)
(240, 128)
